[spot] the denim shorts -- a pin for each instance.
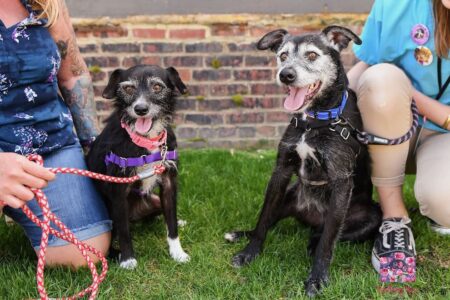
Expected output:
(72, 198)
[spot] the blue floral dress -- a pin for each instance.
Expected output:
(33, 116)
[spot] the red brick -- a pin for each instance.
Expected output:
(260, 31)
(187, 33)
(253, 75)
(266, 130)
(245, 118)
(149, 33)
(185, 74)
(268, 89)
(151, 60)
(228, 89)
(228, 29)
(303, 30)
(109, 31)
(277, 117)
(183, 61)
(211, 75)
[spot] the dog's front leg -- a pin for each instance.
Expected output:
(271, 212)
(120, 216)
(334, 221)
(169, 206)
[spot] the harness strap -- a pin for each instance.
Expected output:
(138, 161)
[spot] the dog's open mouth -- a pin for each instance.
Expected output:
(299, 96)
(143, 125)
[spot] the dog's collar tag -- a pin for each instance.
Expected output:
(144, 142)
(330, 114)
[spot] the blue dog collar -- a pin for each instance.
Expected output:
(330, 114)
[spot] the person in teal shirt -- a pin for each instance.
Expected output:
(405, 56)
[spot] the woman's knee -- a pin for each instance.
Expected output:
(384, 99)
(69, 255)
(434, 201)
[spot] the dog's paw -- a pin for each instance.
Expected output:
(176, 251)
(314, 284)
(243, 258)
(129, 264)
(231, 237)
(181, 223)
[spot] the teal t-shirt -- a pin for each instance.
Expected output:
(387, 38)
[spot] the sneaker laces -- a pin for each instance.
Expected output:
(399, 238)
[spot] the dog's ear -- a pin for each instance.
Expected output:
(110, 90)
(339, 37)
(174, 77)
(272, 40)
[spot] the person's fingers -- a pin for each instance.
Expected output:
(22, 193)
(32, 181)
(37, 170)
(12, 201)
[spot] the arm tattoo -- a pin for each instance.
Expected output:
(62, 47)
(77, 65)
(80, 100)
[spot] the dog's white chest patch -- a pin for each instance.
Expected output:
(148, 184)
(305, 151)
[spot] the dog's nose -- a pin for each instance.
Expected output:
(288, 75)
(141, 110)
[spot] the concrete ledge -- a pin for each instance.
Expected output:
(310, 21)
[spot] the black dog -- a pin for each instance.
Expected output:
(333, 193)
(138, 139)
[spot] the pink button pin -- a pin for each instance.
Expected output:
(420, 34)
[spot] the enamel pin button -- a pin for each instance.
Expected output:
(420, 35)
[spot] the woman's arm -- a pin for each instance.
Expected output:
(434, 110)
(74, 79)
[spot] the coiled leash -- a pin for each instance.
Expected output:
(367, 138)
(66, 234)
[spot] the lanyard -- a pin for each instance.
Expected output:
(442, 88)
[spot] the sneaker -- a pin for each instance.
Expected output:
(439, 228)
(394, 253)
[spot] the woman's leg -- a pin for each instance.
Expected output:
(432, 188)
(77, 203)
(384, 99)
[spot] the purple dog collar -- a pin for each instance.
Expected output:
(138, 161)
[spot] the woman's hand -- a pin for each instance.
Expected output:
(17, 176)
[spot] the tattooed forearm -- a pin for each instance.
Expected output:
(80, 99)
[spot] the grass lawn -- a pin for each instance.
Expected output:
(221, 191)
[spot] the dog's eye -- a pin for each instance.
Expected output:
(157, 88)
(129, 89)
(312, 56)
(283, 56)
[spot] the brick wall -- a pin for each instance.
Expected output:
(233, 100)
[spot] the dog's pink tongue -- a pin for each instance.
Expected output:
(143, 125)
(295, 99)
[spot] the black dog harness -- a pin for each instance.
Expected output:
(334, 120)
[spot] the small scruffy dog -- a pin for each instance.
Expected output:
(138, 139)
(332, 191)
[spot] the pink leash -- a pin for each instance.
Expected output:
(65, 232)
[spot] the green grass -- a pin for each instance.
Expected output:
(221, 191)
